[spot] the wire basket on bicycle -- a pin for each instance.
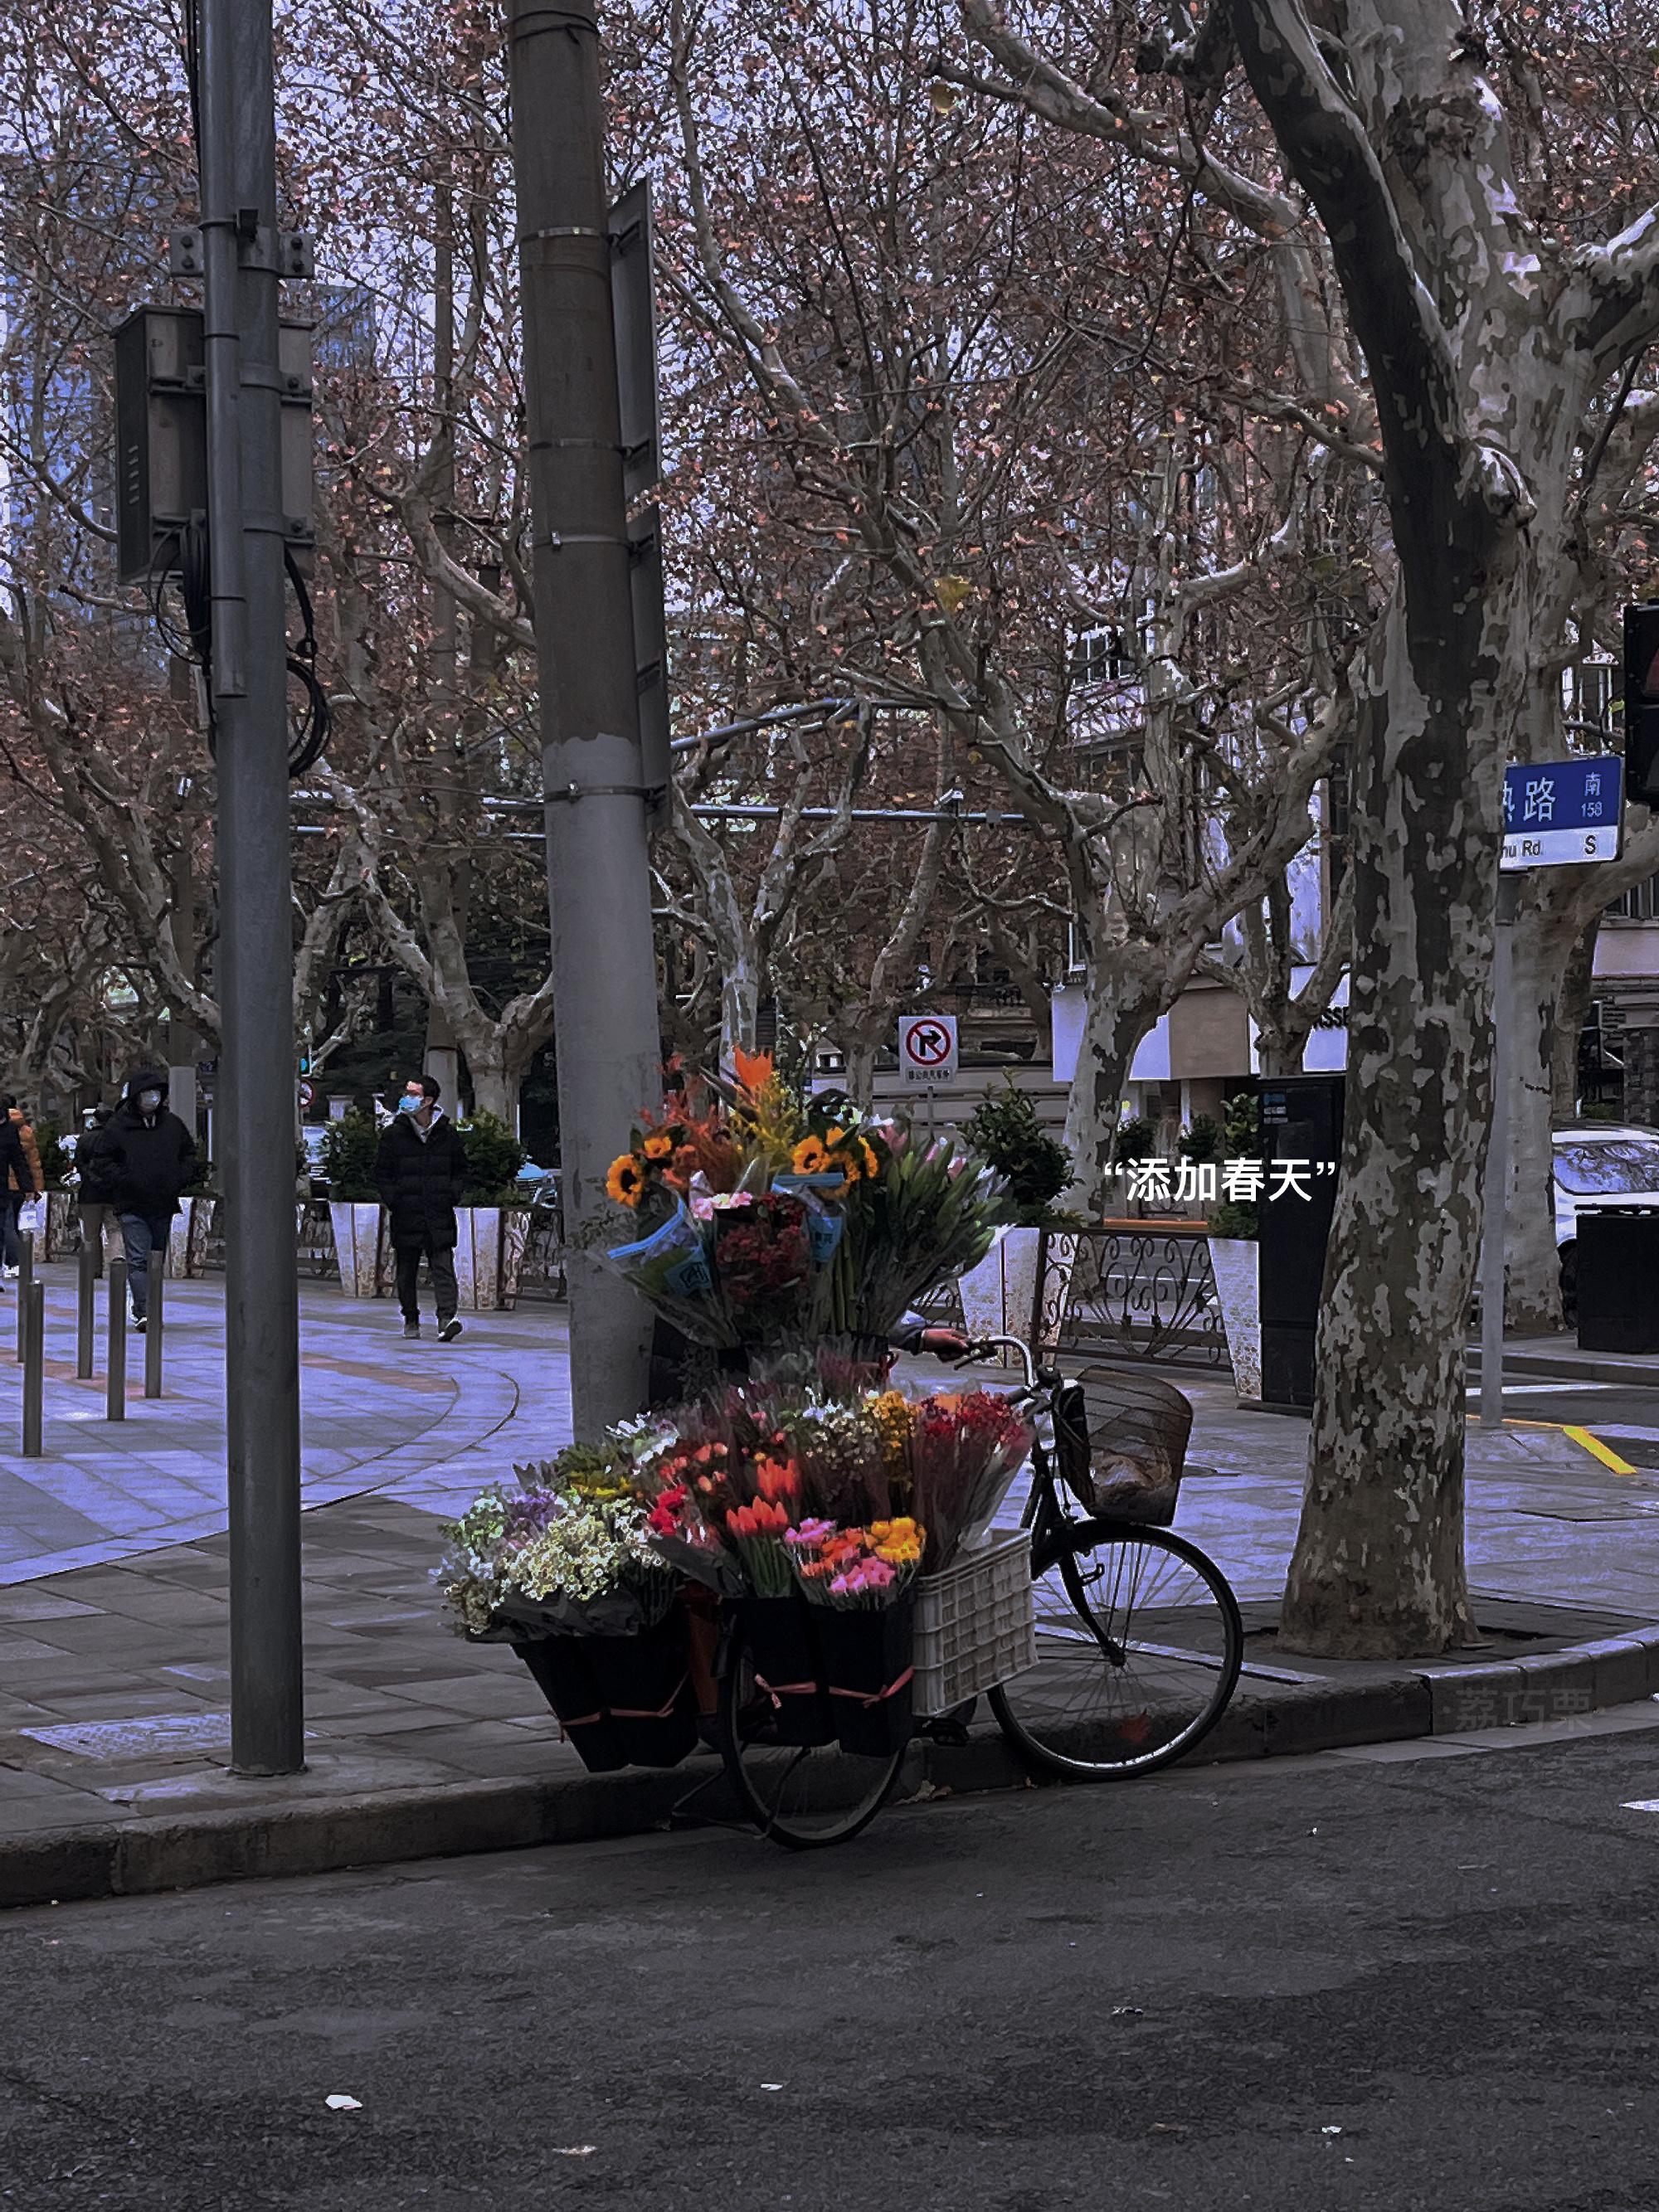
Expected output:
(1121, 1444)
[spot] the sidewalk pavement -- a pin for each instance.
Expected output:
(114, 1685)
(428, 1422)
(1559, 1354)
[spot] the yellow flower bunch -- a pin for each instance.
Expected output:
(891, 1413)
(898, 1542)
(836, 1152)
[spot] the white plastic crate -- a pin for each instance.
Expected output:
(975, 1625)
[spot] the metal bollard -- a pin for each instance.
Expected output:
(86, 1310)
(25, 1277)
(153, 1333)
(115, 1396)
(34, 1311)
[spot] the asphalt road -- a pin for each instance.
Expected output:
(1382, 1982)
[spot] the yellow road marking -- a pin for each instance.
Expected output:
(1597, 1450)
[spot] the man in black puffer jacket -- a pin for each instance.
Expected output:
(149, 1163)
(420, 1170)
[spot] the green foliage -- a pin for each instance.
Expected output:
(55, 1162)
(493, 1157)
(1005, 1132)
(1201, 1139)
(349, 1149)
(1240, 1130)
(1241, 1126)
(1134, 1141)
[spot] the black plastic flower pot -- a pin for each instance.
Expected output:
(783, 1649)
(564, 1673)
(867, 1666)
(645, 1681)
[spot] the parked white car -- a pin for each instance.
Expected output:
(1609, 1162)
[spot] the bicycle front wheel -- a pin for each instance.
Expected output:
(1139, 1648)
(803, 1797)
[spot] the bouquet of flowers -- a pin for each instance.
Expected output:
(965, 1448)
(546, 1561)
(762, 1260)
(768, 1218)
(839, 1449)
(925, 1211)
(855, 1569)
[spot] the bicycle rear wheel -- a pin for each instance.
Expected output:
(1139, 1648)
(802, 1797)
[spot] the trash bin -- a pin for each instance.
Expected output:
(1618, 1279)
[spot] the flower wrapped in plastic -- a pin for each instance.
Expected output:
(672, 1269)
(542, 1562)
(855, 1570)
(841, 1458)
(965, 1449)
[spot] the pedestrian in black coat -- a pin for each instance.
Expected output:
(95, 1179)
(420, 1170)
(150, 1162)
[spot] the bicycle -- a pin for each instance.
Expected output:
(1139, 1638)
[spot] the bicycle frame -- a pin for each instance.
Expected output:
(1046, 1512)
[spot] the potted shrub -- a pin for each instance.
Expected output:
(1136, 1140)
(193, 1225)
(1234, 1229)
(1001, 1296)
(1200, 1142)
(493, 1219)
(349, 1148)
(56, 1165)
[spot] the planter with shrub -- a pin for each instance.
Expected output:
(1235, 1254)
(1028, 1270)
(360, 1243)
(493, 1219)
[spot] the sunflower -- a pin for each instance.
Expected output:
(626, 1181)
(659, 1144)
(810, 1157)
(853, 1154)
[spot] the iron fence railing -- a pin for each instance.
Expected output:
(1148, 1292)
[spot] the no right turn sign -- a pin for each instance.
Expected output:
(927, 1047)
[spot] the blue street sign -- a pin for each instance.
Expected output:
(1560, 812)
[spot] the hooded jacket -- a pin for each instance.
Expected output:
(420, 1179)
(149, 1163)
(94, 1164)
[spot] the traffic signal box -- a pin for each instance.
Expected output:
(1301, 1122)
(1642, 702)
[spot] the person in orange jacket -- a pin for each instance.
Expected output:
(24, 1181)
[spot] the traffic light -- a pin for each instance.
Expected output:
(1642, 702)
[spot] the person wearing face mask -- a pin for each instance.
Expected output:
(150, 1162)
(420, 1169)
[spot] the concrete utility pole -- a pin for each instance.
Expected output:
(255, 962)
(598, 875)
(183, 1046)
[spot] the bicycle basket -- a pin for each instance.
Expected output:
(1120, 1442)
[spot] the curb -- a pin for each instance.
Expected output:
(1268, 1719)
(1636, 1374)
